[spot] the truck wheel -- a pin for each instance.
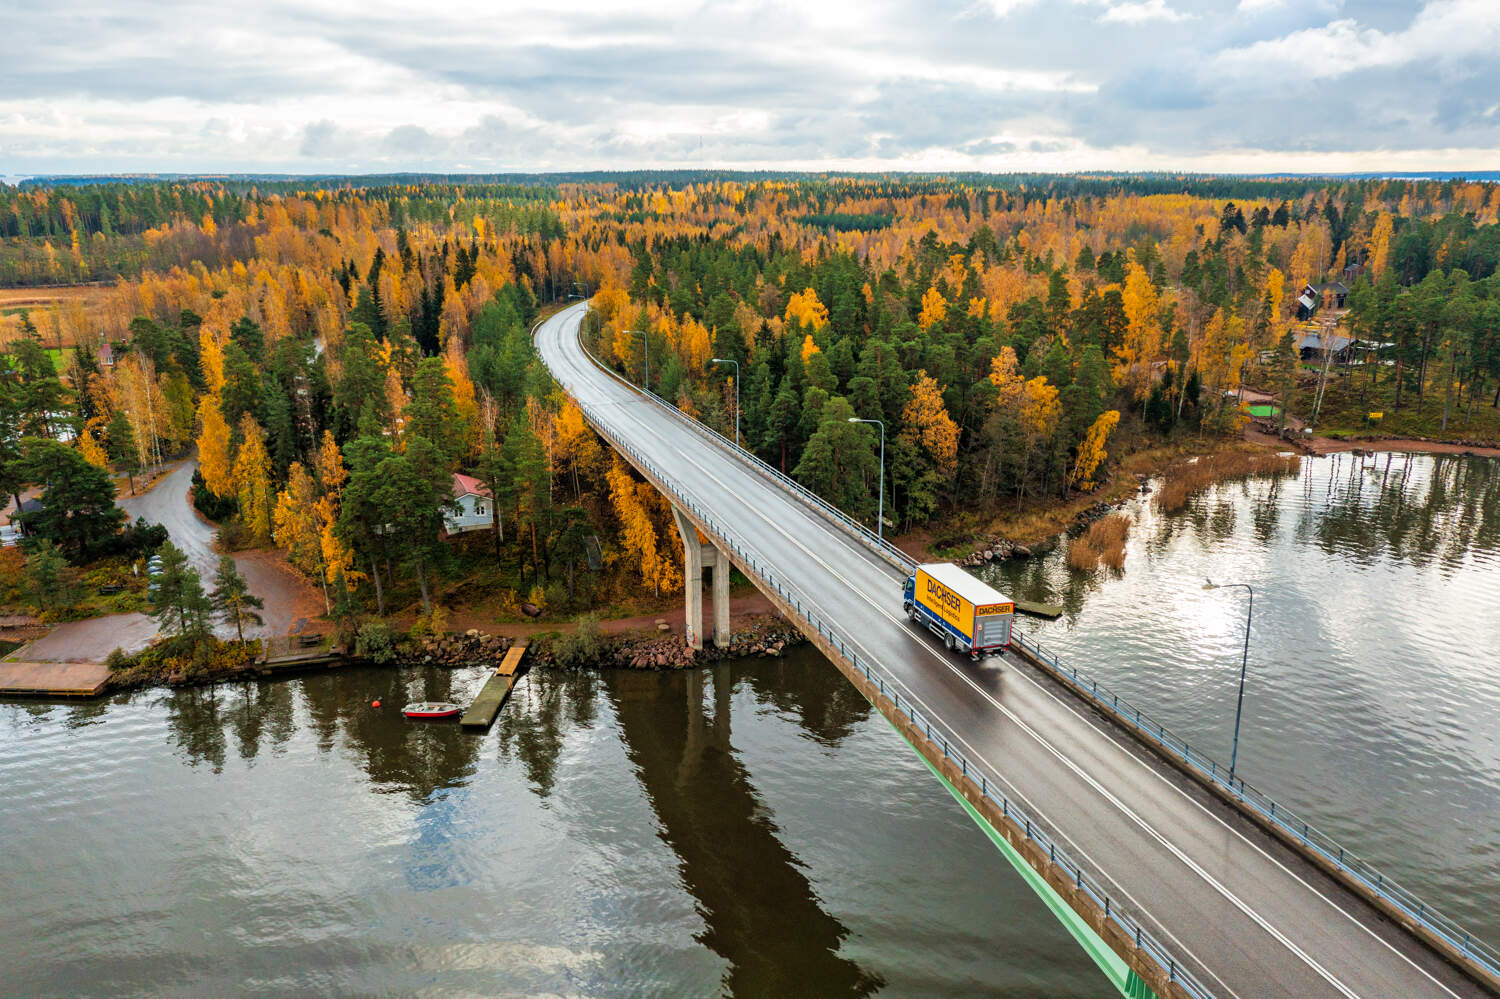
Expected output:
(911, 612)
(949, 640)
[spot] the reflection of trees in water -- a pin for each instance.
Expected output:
(417, 758)
(1389, 509)
(805, 685)
(196, 724)
(255, 709)
(760, 912)
(85, 713)
(532, 724)
(1265, 511)
(1045, 578)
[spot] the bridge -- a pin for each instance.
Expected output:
(1177, 882)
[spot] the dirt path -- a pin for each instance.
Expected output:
(1329, 445)
(1333, 445)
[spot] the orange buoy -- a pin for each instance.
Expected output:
(374, 704)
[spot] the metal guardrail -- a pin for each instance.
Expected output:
(934, 729)
(902, 560)
(1464, 944)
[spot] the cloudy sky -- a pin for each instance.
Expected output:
(461, 85)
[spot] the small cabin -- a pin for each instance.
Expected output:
(1317, 347)
(1307, 302)
(1333, 294)
(472, 507)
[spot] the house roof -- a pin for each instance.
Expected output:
(1337, 287)
(1315, 341)
(467, 485)
(1307, 301)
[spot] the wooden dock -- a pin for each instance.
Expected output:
(491, 699)
(46, 679)
(1039, 610)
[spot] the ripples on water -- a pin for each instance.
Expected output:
(750, 830)
(1373, 700)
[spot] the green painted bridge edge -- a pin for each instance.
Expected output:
(1114, 967)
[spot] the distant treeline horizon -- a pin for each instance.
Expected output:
(1164, 181)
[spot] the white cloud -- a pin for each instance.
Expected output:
(1143, 11)
(344, 85)
(1442, 31)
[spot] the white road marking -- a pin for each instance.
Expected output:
(878, 605)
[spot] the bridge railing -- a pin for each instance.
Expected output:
(899, 558)
(1462, 941)
(1033, 825)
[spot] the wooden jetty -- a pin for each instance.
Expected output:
(47, 679)
(491, 699)
(1039, 610)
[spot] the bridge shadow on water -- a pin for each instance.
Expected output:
(761, 913)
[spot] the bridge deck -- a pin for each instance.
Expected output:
(1247, 916)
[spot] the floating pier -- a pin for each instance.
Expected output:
(491, 699)
(1039, 610)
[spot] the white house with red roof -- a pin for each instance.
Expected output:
(472, 508)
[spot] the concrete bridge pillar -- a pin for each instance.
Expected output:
(698, 555)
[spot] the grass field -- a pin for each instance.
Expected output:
(70, 303)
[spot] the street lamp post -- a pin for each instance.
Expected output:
(1234, 751)
(880, 515)
(722, 360)
(646, 351)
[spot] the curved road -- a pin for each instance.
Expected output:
(288, 596)
(1248, 917)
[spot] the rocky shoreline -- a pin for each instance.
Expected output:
(768, 635)
(997, 549)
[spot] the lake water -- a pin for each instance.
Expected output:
(1372, 704)
(751, 830)
(754, 829)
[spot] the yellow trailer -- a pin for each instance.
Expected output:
(963, 610)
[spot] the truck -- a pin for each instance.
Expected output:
(962, 610)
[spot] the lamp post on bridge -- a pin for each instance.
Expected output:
(880, 515)
(646, 352)
(1209, 584)
(730, 360)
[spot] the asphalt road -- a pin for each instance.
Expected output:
(288, 596)
(1248, 917)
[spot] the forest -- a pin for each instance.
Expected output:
(336, 350)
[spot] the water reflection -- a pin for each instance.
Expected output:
(804, 686)
(1374, 654)
(533, 726)
(761, 914)
(416, 760)
(1407, 508)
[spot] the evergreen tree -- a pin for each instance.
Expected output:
(78, 511)
(232, 600)
(47, 576)
(840, 461)
(433, 412)
(179, 604)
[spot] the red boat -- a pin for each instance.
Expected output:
(431, 709)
